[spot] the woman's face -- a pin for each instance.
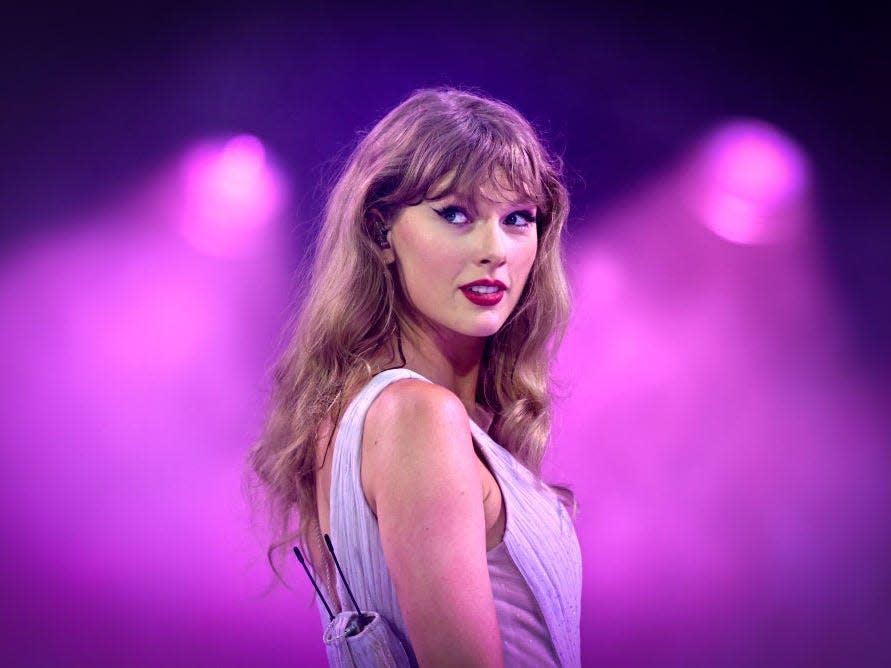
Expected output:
(464, 260)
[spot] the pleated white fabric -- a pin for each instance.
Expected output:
(539, 539)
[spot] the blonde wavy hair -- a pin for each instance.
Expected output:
(350, 322)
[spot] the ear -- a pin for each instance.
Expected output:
(388, 255)
(380, 232)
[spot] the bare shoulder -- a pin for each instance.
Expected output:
(412, 428)
(410, 402)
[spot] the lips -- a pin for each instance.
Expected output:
(489, 292)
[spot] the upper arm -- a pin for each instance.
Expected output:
(421, 474)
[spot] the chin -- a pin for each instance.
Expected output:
(484, 328)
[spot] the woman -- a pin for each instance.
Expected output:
(436, 298)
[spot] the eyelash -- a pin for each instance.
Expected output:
(448, 211)
(525, 216)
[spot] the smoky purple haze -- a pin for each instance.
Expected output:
(726, 455)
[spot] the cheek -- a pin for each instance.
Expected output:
(523, 266)
(424, 264)
(526, 255)
(429, 254)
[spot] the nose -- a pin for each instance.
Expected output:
(491, 248)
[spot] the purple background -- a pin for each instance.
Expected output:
(724, 386)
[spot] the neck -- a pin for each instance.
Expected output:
(448, 359)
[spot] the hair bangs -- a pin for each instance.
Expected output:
(472, 164)
(499, 172)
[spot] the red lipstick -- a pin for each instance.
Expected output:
(488, 292)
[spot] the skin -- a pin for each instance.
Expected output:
(438, 506)
(442, 244)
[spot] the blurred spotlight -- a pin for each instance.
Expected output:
(728, 461)
(751, 182)
(231, 193)
(131, 390)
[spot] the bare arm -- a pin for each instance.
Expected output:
(421, 476)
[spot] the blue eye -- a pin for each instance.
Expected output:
(453, 214)
(520, 219)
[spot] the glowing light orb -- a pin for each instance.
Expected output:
(231, 193)
(753, 177)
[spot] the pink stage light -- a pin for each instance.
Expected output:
(231, 193)
(728, 460)
(130, 388)
(752, 182)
